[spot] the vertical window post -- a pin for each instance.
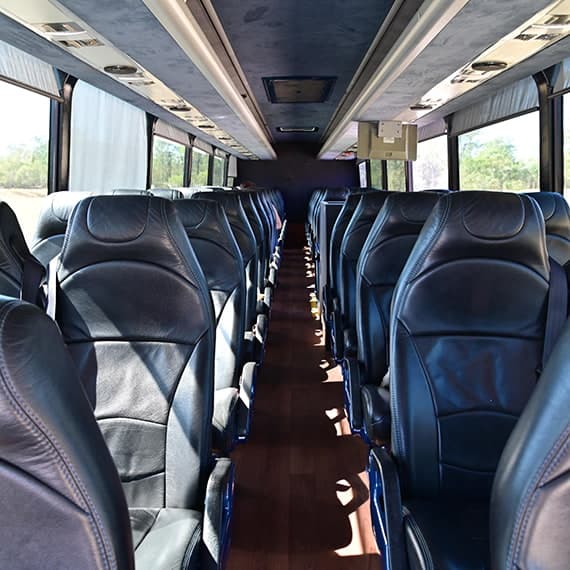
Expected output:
(453, 162)
(150, 120)
(551, 132)
(60, 137)
(409, 172)
(187, 166)
(384, 167)
(210, 169)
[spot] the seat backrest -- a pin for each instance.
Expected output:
(466, 340)
(245, 239)
(54, 217)
(219, 256)
(531, 492)
(258, 229)
(168, 193)
(134, 309)
(355, 235)
(59, 490)
(556, 214)
(384, 254)
(16, 261)
(337, 236)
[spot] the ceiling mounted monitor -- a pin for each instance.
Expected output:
(297, 129)
(387, 141)
(298, 89)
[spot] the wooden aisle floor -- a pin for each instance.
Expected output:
(301, 496)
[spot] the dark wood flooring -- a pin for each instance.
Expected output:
(301, 497)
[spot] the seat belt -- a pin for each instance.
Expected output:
(32, 278)
(557, 308)
(52, 287)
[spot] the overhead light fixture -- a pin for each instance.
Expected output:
(541, 31)
(489, 65)
(121, 69)
(297, 129)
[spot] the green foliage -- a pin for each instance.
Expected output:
(396, 175)
(493, 165)
(167, 164)
(376, 173)
(200, 162)
(25, 165)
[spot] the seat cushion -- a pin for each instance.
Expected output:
(447, 535)
(166, 538)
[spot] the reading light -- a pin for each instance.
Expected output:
(489, 65)
(421, 107)
(120, 69)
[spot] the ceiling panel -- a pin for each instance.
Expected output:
(300, 38)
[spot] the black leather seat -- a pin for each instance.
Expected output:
(245, 239)
(383, 256)
(135, 312)
(556, 214)
(53, 219)
(531, 492)
(21, 274)
(59, 490)
(466, 344)
(355, 235)
(219, 256)
(168, 193)
(337, 235)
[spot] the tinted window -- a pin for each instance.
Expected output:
(24, 153)
(503, 156)
(167, 163)
(218, 171)
(430, 168)
(376, 173)
(396, 175)
(200, 161)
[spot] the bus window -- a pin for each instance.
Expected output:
(200, 161)
(430, 168)
(24, 153)
(167, 163)
(376, 173)
(503, 156)
(218, 171)
(396, 175)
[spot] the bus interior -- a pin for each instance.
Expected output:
(284, 284)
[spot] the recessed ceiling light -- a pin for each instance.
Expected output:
(297, 129)
(120, 69)
(489, 65)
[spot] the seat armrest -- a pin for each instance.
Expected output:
(261, 328)
(217, 514)
(253, 349)
(337, 335)
(352, 373)
(350, 342)
(376, 415)
(246, 398)
(386, 508)
(224, 419)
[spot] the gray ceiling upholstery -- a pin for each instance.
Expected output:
(300, 38)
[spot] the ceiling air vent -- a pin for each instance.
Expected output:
(69, 34)
(298, 89)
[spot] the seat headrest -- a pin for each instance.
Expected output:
(206, 219)
(168, 193)
(402, 213)
(134, 228)
(332, 194)
(14, 253)
(481, 224)
(556, 212)
(55, 213)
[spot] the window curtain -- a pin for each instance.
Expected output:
(108, 142)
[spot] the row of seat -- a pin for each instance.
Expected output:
(150, 298)
(453, 305)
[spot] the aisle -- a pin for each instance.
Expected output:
(301, 491)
